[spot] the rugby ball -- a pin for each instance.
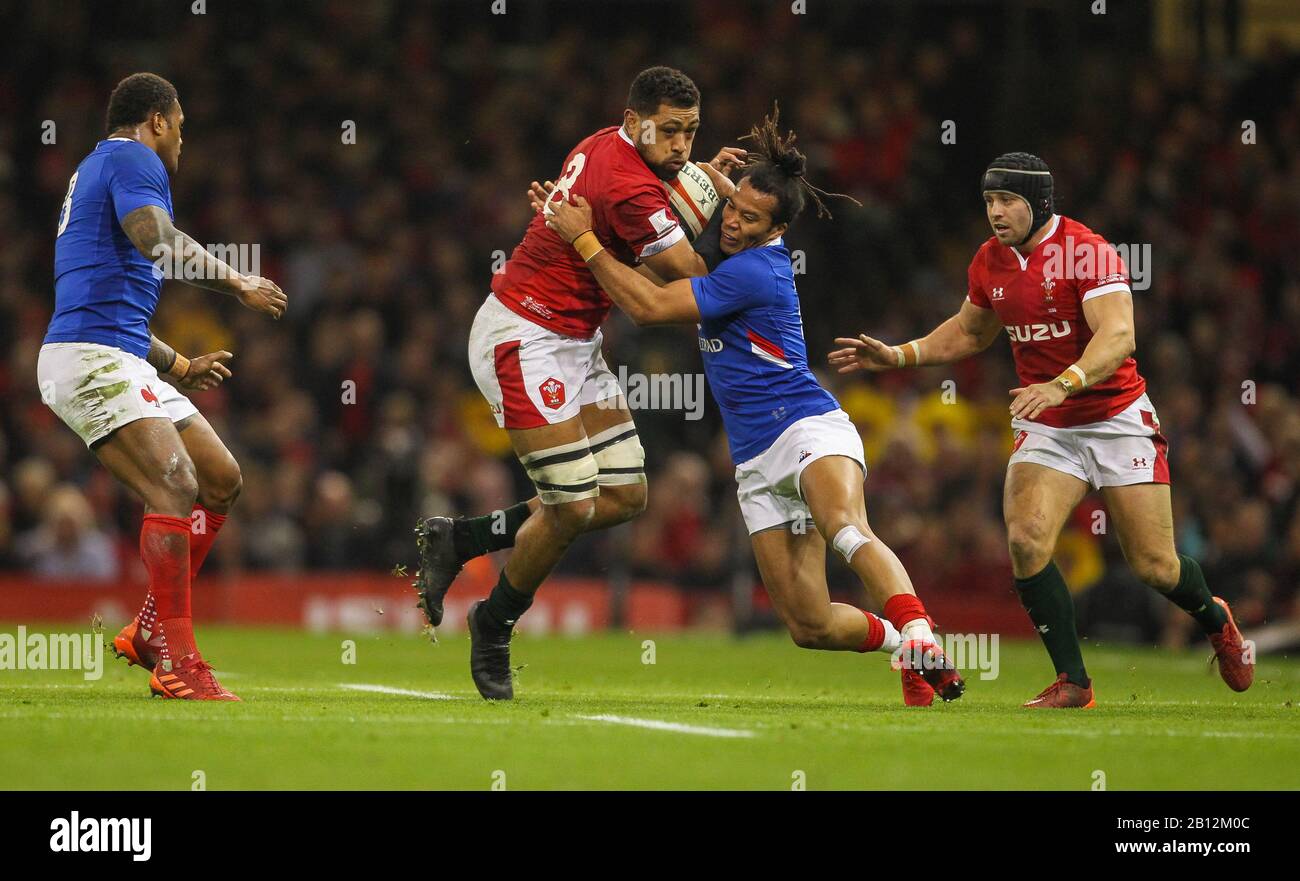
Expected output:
(693, 198)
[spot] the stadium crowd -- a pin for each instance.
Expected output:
(357, 413)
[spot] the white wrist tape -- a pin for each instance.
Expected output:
(1083, 377)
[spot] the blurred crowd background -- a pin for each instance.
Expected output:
(385, 247)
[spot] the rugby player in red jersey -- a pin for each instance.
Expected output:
(535, 352)
(1082, 418)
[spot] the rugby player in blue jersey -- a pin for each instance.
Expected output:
(797, 455)
(99, 367)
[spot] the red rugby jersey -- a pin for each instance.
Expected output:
(545, 280)
(1039, 300)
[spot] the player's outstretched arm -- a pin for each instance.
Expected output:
(154, 235)
(642, 300)
(970, 331)
(1111, 318)
(202, 373)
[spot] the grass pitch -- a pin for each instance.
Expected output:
(712, 712)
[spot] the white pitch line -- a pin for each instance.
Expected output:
(658, 725)
(406, 692)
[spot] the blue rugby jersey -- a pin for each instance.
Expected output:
(105, 291)
(751, 339)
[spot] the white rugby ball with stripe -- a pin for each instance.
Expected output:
(693, 198)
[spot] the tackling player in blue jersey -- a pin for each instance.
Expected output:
(797, 455)
(99, 367)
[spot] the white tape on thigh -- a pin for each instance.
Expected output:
(848, 540)
(620, 458)
(566, 473)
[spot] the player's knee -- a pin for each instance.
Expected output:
(810, 634)
(620, 460)
(1029, 544)
(846, 533)
(571, 518)
(631, 500)
(223, 487)
(178, 488)
(1157, 570)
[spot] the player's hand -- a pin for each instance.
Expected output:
(207, 371)
(864, 353)
(263, 295)
(570, 219)
(723, 184)
(728, 159)
(719, 167)
(539, 193)
(1028, 402)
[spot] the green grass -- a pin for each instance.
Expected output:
(1164, 721)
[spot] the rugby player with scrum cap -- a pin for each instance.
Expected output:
(535, 352)
(1081, 416)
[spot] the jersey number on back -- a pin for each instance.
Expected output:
(564, 184)
(65, 213)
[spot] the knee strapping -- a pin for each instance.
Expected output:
(620, 458)
(848, 540)
(565, 473)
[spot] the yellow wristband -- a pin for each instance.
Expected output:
(180, 367)
(587, 245)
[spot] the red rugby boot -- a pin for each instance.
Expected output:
(916, 691)
(1063, 694)
(928, 661)
(138, 646)
(191, 679)
(1230, 652)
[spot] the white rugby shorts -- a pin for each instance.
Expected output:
(768, 484)
(1125, 449)
(532, 376)
(96, 389)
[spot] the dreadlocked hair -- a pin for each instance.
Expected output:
(776, 167)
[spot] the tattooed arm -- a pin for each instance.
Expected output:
(163, 357)
(154, 235)
(201, 373)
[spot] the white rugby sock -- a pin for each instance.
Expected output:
(893, 639)
(918, 628)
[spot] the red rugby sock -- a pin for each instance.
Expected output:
(165, 549)
(875, 633)
(903, 608)
(202, 534)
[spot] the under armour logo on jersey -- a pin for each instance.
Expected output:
(1140, 462)
(804, 455)
(998, 293)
